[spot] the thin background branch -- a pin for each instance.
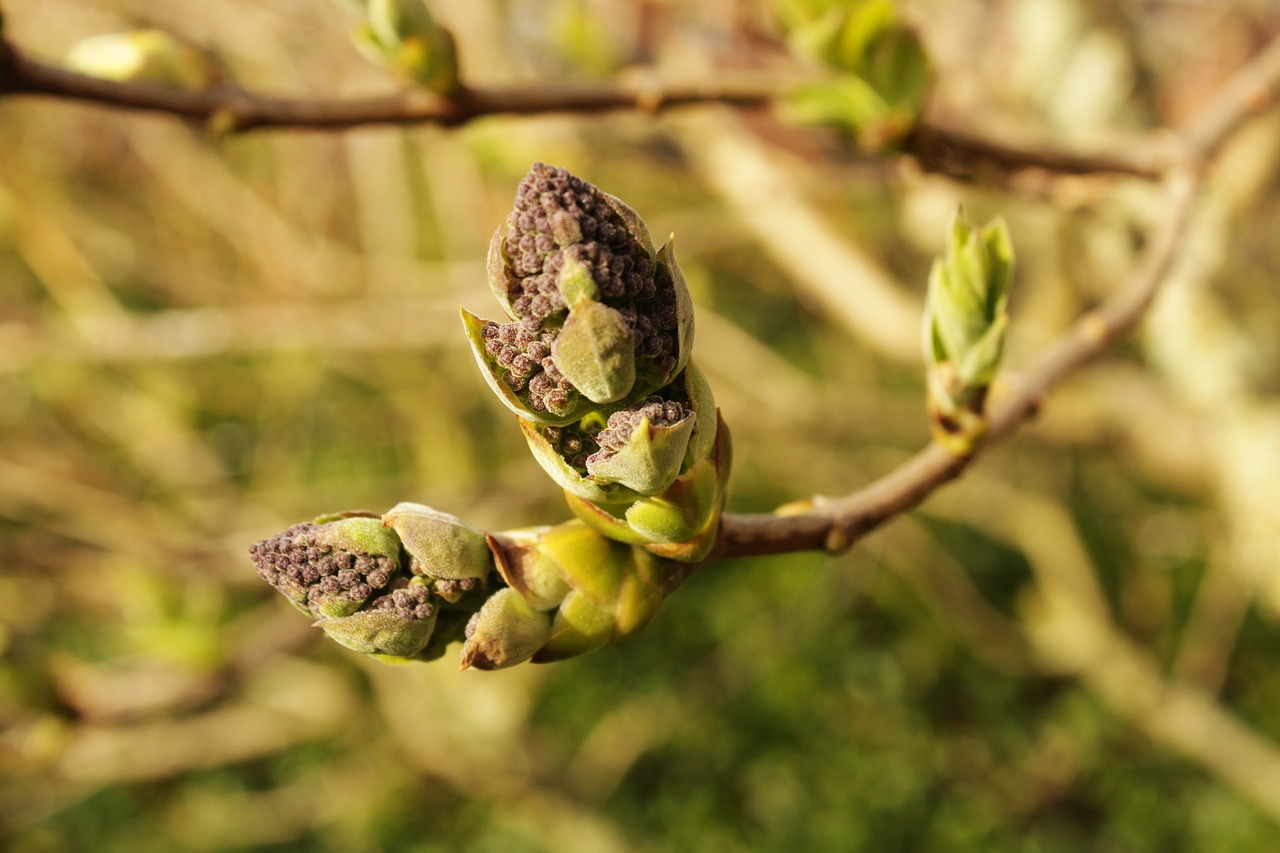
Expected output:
(231, 108)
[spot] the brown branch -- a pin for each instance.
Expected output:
(1250, 91)
(961, 154)
(233, 109)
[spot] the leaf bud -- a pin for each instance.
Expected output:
(402, 36)
(504, 632)
(964, 323)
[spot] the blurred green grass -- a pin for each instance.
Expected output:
(203, 341)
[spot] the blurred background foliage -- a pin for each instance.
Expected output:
(204, 340)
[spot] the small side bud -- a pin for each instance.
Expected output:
(403, 36)
(506, 631)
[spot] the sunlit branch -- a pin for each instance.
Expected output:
(231, 108)
(833, 524)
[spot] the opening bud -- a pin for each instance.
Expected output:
(329, 570)
(398, 623)
(597, 316)
(964, 325)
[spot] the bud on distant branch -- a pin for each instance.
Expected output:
(881, 73)
(964, 327)
(141, 56)
(402, 36)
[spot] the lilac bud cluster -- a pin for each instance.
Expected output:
(560, 219)
(621, 425)
(408, 601)
(575, 444)
(314, 573)
(524, 351)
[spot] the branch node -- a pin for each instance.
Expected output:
(838, 540)
(1095, 328)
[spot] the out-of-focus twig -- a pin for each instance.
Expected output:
(236, 109)
(957, 152)
(231, 108)
(1073, 633)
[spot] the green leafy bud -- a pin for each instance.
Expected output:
(882, 74)
(141, 56)
(965, 320)
(506, 631)
(398, 623)
(596, 315)
(328, 570)
(403, 36)
(442, 546)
